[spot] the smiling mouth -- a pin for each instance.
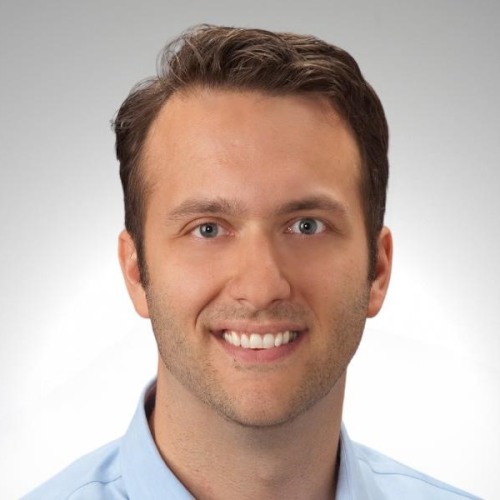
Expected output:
(258, 341)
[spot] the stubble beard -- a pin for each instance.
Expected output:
(201, 379)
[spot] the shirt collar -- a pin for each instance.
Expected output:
(147, 476)
(144, 472)
(352, 484)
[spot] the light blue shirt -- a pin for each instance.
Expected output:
(131, 467)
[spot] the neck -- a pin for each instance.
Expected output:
(217, 459)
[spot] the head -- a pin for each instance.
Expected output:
(254, 170)
(272, 63)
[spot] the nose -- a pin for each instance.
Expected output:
(258, 280)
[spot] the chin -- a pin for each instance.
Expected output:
(260, 412)
(260, 421)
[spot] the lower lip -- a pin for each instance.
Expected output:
(260, 356)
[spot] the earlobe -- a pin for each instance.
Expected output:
(383, 268)
(127, 255)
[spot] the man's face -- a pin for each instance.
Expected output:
(256, 251)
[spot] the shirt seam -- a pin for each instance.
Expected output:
(95, 481)
(441, 486)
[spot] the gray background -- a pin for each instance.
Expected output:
(425, 385)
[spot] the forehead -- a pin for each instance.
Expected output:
(188, 111)
(251, 139)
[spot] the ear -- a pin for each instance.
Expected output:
(383, 268)
(127, 254)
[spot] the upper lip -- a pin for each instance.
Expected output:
(256, 327)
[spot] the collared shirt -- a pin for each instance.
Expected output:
(132, 468)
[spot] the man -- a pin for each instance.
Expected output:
(254, 170)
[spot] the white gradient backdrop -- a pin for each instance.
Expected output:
(424, 387)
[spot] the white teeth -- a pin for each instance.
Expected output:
(257, 341)
(235, 339)
(268, 341)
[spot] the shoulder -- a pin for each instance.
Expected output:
(94, 476)
(396, 480)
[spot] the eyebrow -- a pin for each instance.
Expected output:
(232, 207)
(317, 202)
(196, 206)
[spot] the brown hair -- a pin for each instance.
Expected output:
(254, 59)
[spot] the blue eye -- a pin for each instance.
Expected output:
(307, 226)
(207, 230)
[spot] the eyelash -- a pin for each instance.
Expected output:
(289, 228)
(199, 227)
(318, 222)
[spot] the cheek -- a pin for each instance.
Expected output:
(332, 284)
(189, 282)
(333, 267)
